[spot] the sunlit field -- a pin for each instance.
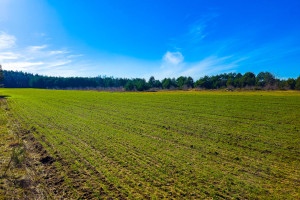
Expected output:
(184, 145)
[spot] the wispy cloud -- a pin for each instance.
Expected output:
(199, 29)
(271, 52)
(7, 41)
(8, 56)
(36, 48)
(224, 54)
(210, 65)
(174, 65)
(36, 59)
(59, 52)
(21, 66)
(46, 60)
(195, 32)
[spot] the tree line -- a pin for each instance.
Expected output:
(263, 80)
(1, 76)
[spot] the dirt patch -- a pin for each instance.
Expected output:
(47, 160)
(63, 182)
(23, 183)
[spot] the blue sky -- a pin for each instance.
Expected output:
(140, 38)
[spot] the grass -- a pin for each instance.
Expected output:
(184, 145)
(12, 154)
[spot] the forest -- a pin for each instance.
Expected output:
(261, 81)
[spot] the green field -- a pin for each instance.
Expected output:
(183, 145)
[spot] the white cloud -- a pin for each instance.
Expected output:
(173, 65)
(35, 59)
(59, 63)
(37, 48)
(8, 56)
(21, 66)
(58, 52)
(7, 41)
(174, 58)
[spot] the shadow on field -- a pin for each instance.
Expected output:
(3, 96)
